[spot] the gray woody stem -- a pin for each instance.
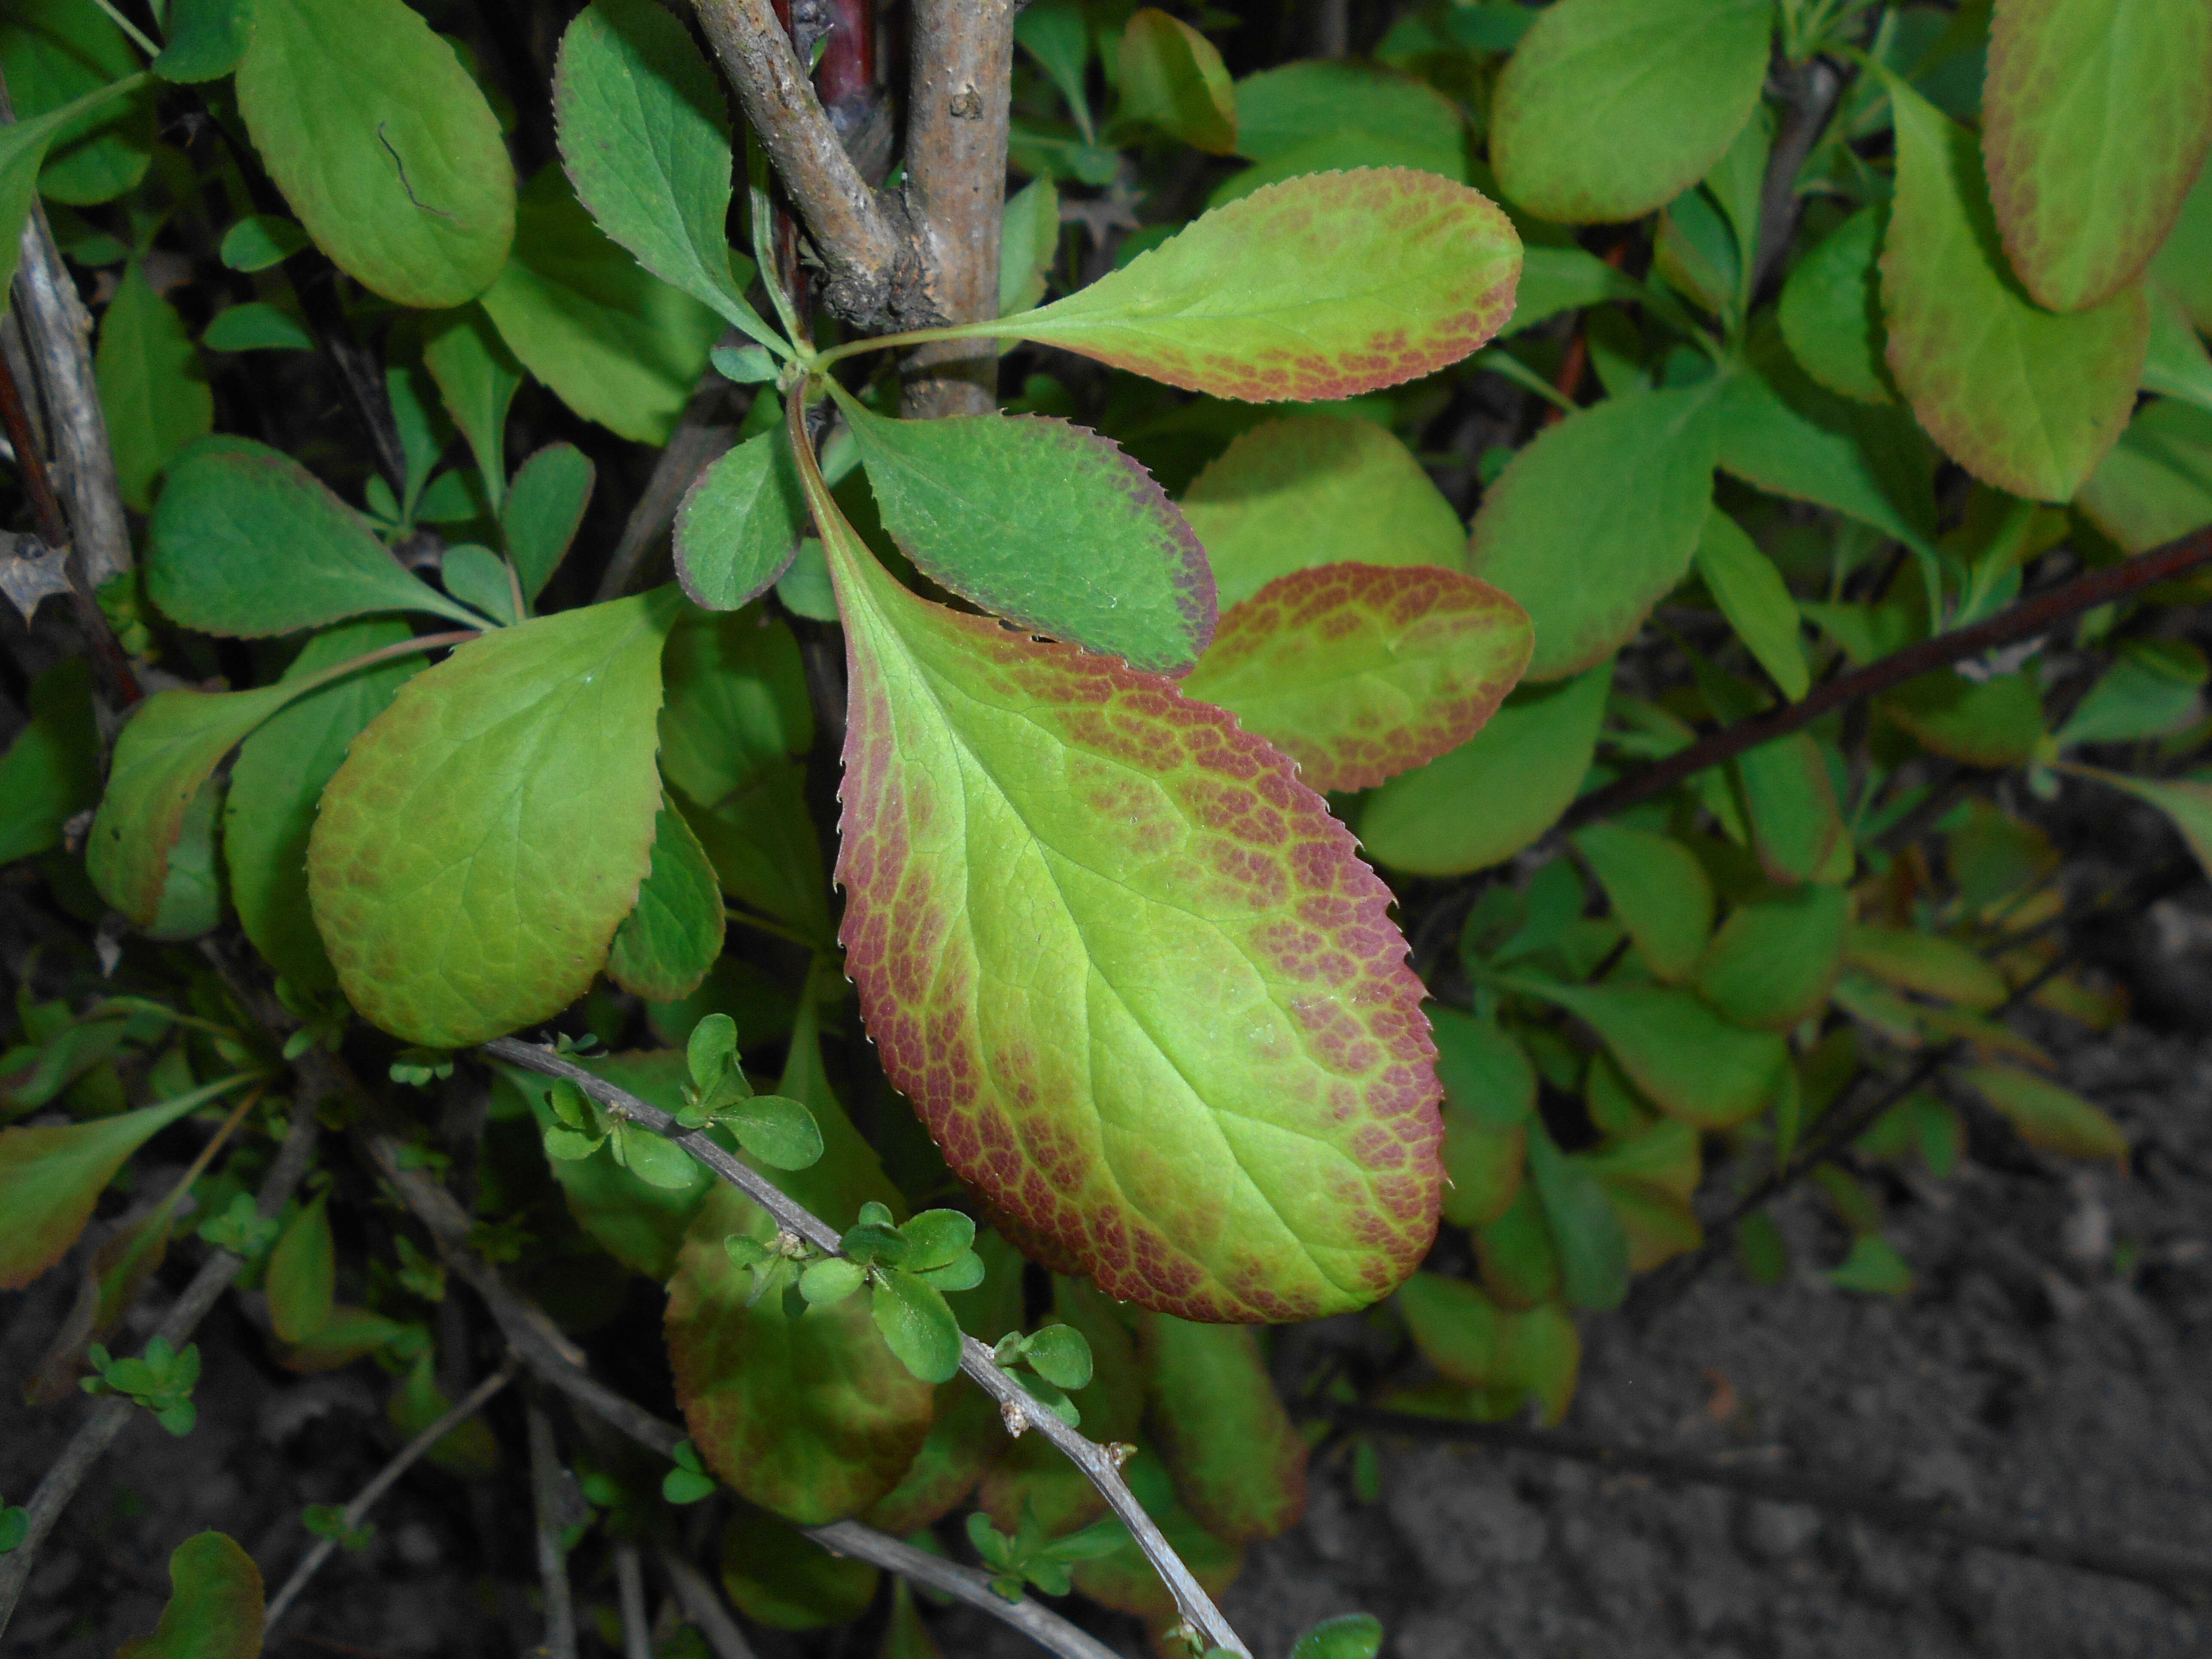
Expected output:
(557, 1361)
(873, 278)
(113, 1411)
(402, 1461)
(704, 1608)
(552, 1563)
(955, 167)
(1100, 1466)
(629, 1589)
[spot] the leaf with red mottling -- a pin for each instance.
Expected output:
(1048, 524)
(2095, 118)
(1358, 671)
(1323, 286)
(1131, 972)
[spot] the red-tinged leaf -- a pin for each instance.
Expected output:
(215, 1605)
(1358, 672)
(1323, 286)
(1237, 1458)
(2047, 1115)
(1134, 976)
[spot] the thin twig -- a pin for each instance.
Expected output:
(955, 166)
(108, 1417)
(704, 1608)
(1903, 1514)
(1101, 1465)
(366, 1499)
(1046, 1627)
(552, 1562)
(630, 1590)
(871, 265)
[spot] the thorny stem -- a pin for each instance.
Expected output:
(366, 1498)
(1100, 1464)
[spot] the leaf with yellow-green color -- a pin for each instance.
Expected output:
(215, 1605)
(2045, 1114)
(1507, 1356)
(302, 1277)
(1312, 489)
(2155, 484)
(489, 831)
(1132, 974)
(1993, 722)
(641, 1225)
(1775, 959)
(2186, 802)
(1674, 1047)
(1238, 1460)
(153, 388)
(2094, 121)
(1752, 596)
(382, 143)
(2022, 398)
(1172, 78)
(1320, 287)
(1659, 892)
(1491, 796)
(1358, 672)
(1610, 108)
(1935, 966)
(666, 944)
(1791, 803)
(1830, 311)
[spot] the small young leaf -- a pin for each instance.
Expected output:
(302, 1274)
(2155, 484)
(215, 1606)
(383, 145)
(711, 1050)
(1172, 78)
(654, 1158)
(153, 389)
(1029, 242)
(1485, 1073)
(744, 365)
(2095, 118)
(256, 326)
(1312, 489)
(478, 578)
(646, 137)
(1048, 524)
(207, 40)
(937, 1238)
(1358, 672)
(1059, 1354)
(1593, 524)
(1348, 1636)
(521, 770)
(778, 1131)
(1610, 108)
(666, 944)
(246, 541)
(1525, 766)
(260, 240)
(917, 1324)
(738, 527)
(2024, 400)
(832, 1280)
(1320, 287)
(1872, 1268)
(477, 378)
(1913, 960)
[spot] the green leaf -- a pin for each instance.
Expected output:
(152, 388)
(2046, 1115)
(613, 342)
(276, 782)
(938, 1238)
(1281, 109)
(777, 1131)
(711, 1053)
(172, 745)
(1507, 1357)
(1048, 524)
(215, 1606)
(2183, 265)
(764, 849)
(302, 1278)
(382, 144)
(487, 834)
(2095, 118)
(51, 772)
(1144, 869)
(646, 137)
(52, 1176)
(479, 577)
(1593, 524)
(1358, 672)
(2175, 361)
(1610, 108)
(478, 378)
(1485, 1073)
(1491, 796)
(780, 1577)
(2155, 485)
(1558, 279)
(1060, 1354)
(234, 513)
(831, 1279)
(256, 326)
(736, 706)
(1586, 1231)
(260, 240)
(666, 944)
(1830, 311)
(2023, 399)
(1172, 78)
(2151, 691)
(1320, 287)
(207, 40)
(1790, 800)
(67, 61)
(1348, 1636)
(1775, 959)
(1659, 892)
(1238, 1461)
(1752, 596)
(1029, 243)
(543, 510)
(738, 527)
(640, 1225)
(1872, 1268)
(1913, 960)
(1292, 493)
(469, 1448)
(917, 1323)
(652, 1159)
(1996, 722)
(1674, 1047)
